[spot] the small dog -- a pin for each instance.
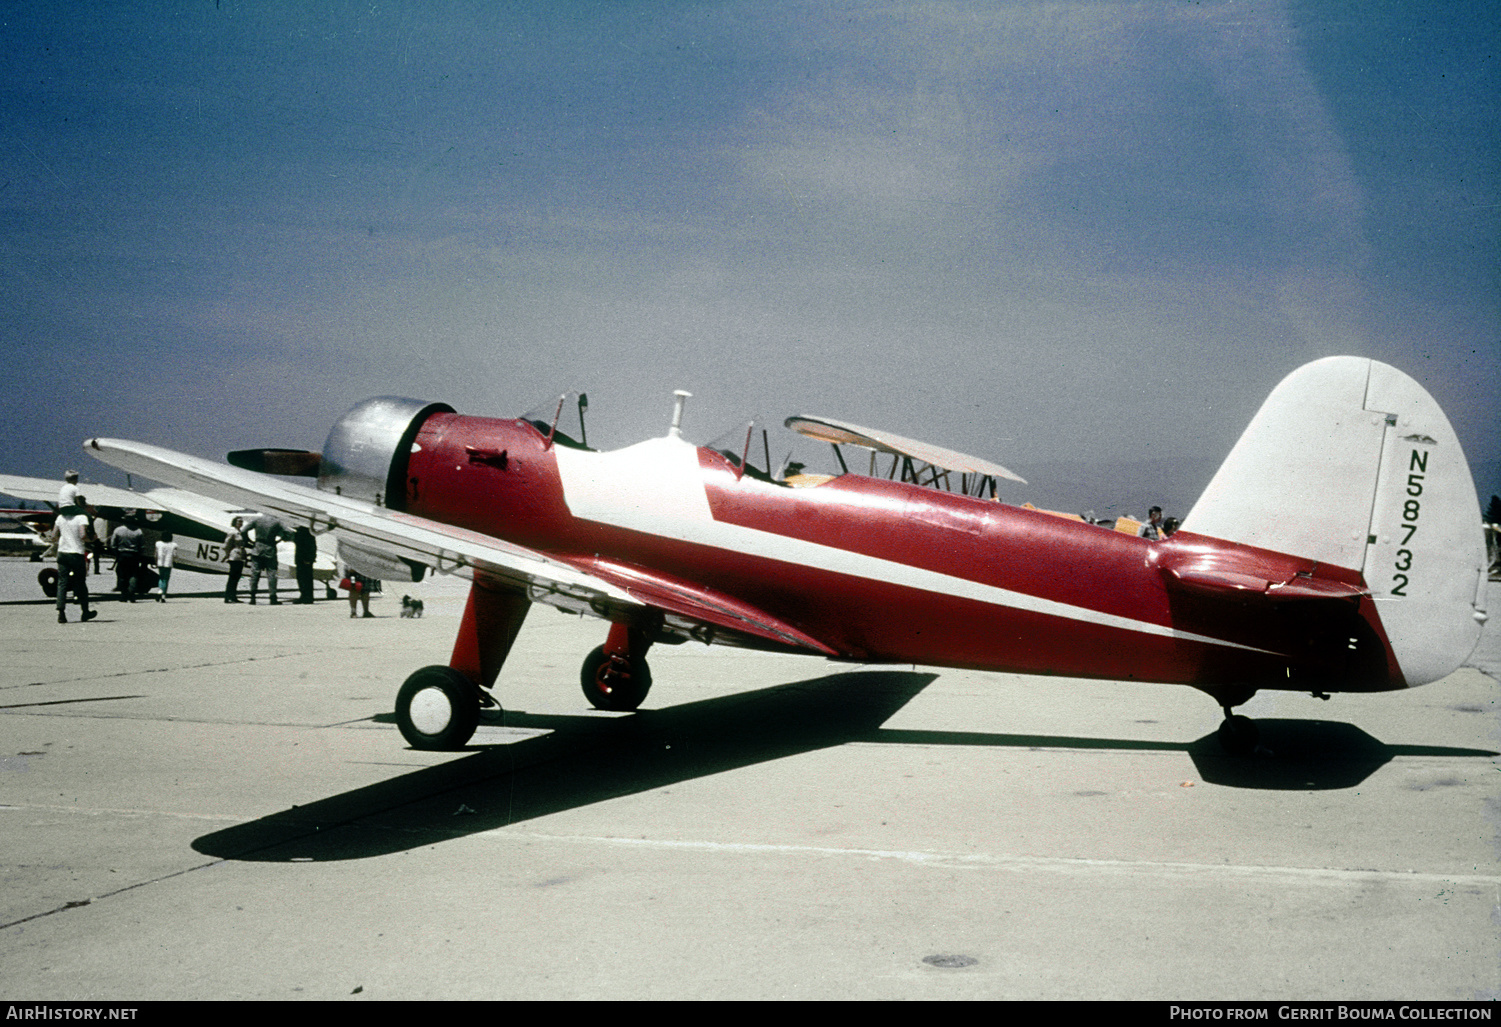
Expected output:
(411, 607)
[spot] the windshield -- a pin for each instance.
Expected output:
(561, 419)
(772, 453)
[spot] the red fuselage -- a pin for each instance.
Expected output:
(887, 572)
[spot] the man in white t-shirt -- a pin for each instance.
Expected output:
(68, 495)
(74, 535)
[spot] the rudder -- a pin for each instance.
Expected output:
(1351, 462)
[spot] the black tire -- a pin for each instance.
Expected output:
(1238, 735)
(613, 683)
(47, 578)
(438, 709)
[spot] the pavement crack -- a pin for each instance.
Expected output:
(80, 903)
(61, 702)
(161, 670)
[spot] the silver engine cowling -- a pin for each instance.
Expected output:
(365, 456)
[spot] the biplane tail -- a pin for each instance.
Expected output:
(1350, 462)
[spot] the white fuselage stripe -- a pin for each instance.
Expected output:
(656, 487)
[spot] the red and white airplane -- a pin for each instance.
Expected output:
(1338, 549)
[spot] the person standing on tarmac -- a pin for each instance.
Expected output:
(166, 550)
(268, 530)
(359, 592)
(74, 537)
(234, 555)
(306, 552)
(68, 496)
(128, 542)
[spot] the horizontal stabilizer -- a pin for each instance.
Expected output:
(1316, 588)
(1216, 581)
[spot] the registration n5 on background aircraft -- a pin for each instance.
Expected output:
(1338, 549)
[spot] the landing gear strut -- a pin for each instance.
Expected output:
(615, 676)
(1238, 734)
(439, 707)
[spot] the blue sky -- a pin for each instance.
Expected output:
(1084, 239)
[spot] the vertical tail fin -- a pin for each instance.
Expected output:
(1351, 462)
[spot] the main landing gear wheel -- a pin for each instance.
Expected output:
(47, 578)
(1238, 735)
(437, 708)
(616, 683)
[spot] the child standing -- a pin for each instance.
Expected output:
(166, 549)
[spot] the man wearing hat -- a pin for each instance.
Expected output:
(74, 535)
(68, 495)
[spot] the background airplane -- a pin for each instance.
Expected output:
(1337, 549)
(196, 522)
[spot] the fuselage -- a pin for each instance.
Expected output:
(889, 572)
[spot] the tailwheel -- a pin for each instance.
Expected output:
(47, 578)
(613, 682)
(1238, 734)
(437, 708)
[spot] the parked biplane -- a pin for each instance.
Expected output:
(1338, 549)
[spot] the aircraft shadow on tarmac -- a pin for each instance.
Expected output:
(585, 760)
(1292, 755)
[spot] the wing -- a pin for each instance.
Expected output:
(169, 500)
(364, 525)
(704, 613)
(191, 505)
(612, 591)
(43, 490)
(826, 429)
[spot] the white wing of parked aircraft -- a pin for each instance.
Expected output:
(44, 490)
(940, 462)
(200, 531)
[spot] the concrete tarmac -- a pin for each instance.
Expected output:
(208, 801)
